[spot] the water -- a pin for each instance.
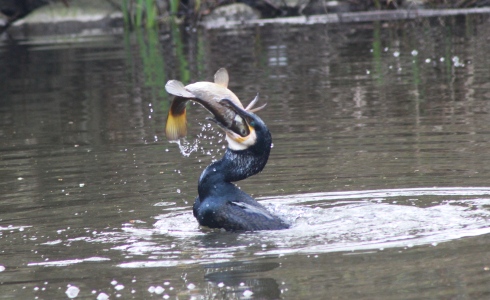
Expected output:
(380, 162)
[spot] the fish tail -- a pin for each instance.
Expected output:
(176, 127)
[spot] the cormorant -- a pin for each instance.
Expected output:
(220, 204)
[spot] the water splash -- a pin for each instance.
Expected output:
(186, 147)
(320, 223)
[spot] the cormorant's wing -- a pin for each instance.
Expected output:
(253, 209)
(242, 216)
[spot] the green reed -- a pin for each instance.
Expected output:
(139, 13)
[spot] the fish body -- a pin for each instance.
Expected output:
(209, 95)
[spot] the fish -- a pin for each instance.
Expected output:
(209, 95)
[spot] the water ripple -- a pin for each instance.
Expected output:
(321, 222)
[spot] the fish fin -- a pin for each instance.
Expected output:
(176, 127)
(250, 106)
(221, 77)
(177, 88)
(254, 110)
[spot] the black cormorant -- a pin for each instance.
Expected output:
(220, 204)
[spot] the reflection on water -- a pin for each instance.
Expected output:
(380, 162)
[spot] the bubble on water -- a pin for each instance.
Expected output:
(119, 287)
(113, 282)
(81, 185)
(191, 286)
(428, 60)
(72, 292)
(2, 268)
(151, 289)
(102, 296)
(221, 284)
(414, 52)
(396, 54)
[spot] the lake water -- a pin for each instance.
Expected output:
(381, 163)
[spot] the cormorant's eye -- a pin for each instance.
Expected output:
(252, 123)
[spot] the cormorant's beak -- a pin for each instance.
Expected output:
(240, 134)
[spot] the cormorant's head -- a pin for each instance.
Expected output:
(246, 129)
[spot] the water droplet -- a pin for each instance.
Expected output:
(159, 290)
(2, 268)
(119, 287)
(114, 282)
(396, 54)
(151, 289)
(414, 53)
(81, 185)
(191, 286)
(72, 292)
(247, 293)
(102, 296)
(178, 191)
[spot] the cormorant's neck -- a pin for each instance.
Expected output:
(235, 166)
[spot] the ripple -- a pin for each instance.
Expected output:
(321, 222)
